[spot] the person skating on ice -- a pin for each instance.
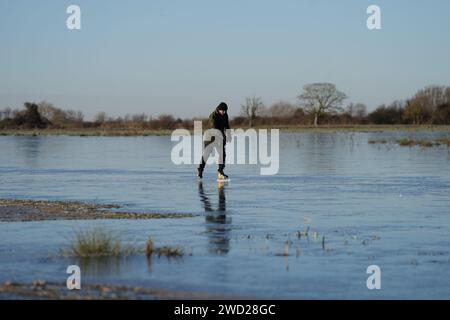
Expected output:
(218, 119)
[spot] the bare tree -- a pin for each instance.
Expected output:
(281, 109)
(7, 113)
(74, 116)
(101, 117)
(59, 117)
(251, 109)
(166, 121)
(321, 98)
(47, 110)
(417, 109)
(424, 105)
(435, 95)
(127, 118)
(56, 116)
(139, 118)
(358, 110)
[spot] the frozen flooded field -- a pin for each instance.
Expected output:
(337, 206)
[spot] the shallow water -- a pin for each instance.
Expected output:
(380, 205)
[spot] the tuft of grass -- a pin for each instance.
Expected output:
(421, 143)
(445, 141)
(427, 144)
(406, 142)
(382, 141)
(163, 251)
(169, 252)
(150, 248)
(411, 142)
(98, 243)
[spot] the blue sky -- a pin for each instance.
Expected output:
(184, 57)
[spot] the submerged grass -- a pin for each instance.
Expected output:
(163, 251)
(406, 142)
(382, 141)
(421, 143)
(445, 141)
(98, 243)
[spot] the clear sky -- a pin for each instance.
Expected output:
(184, 57)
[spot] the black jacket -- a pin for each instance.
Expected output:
(219, 122)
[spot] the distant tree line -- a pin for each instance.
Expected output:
(318, 104)
(28, 118)
(46, 115)
(322, 103)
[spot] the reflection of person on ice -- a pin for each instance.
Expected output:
(217, 120)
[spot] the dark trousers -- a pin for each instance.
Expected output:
(207, 153)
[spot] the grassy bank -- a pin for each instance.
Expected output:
(29, 210)
(146, 132)
(85, 132)
(364, 128)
